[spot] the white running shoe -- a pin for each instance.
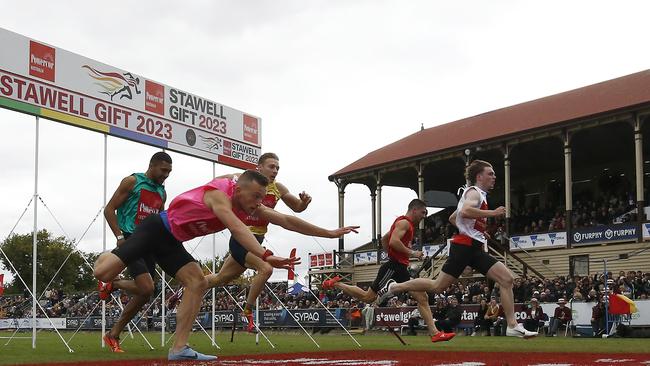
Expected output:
(188, 354)
(520, 331)
(384, 293)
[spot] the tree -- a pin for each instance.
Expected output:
(75, 275)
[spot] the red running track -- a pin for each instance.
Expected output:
(399, 358)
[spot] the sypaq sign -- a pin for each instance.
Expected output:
(50, 82)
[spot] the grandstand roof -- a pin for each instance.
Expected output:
(624, 92)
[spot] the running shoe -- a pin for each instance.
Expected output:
(250, 327)
(384, 293)
(520, 331)
(173, 299)
(329, 284)
(105, 289)
(442, 337)
(113, 343)
(188, 354)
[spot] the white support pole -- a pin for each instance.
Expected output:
(257, 320)
(163, 307)
(35, 243)
(378, 207)
(101, 336)
(214, 268)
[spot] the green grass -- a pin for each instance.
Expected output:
(86, 345)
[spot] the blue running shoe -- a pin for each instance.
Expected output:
(188, 354)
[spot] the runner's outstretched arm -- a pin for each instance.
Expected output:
(298, 225)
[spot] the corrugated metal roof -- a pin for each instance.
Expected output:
(607, 96)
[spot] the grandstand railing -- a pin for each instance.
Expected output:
(519, 266)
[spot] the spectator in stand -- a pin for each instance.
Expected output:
(452, 316)
(577, 296)
(440, 309)
(414, 322)
(480, 321)
(492, 317)
(368, 313)
(535, 317)
(598, 318)
(592, 296)
(354, 313)
(561, 316)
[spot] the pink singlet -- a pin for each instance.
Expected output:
(189, 217)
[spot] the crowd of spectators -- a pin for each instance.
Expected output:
(603, 210)
(527, 290)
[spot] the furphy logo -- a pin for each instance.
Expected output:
(533, 239)
(609, 234)
(41, 61)
(154, 97)
(577, 237)
(251, 131)
(552, 237)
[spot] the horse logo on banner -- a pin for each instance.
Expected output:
(114, 84)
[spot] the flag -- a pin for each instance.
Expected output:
(292, 274)
(621, 304)
(2, 284)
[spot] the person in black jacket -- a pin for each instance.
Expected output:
(452, 316)
(598, 318)
(535, 317)
(479, 321)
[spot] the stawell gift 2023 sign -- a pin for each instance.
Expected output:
(50, 82)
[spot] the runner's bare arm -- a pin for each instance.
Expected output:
(119, 197)
(470, 208)
(298, 225)
(452, 218)
(395, 241)
(296, 204)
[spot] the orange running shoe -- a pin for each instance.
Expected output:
(105, 289)
(329, 284)
(442, 337)
(113, 343)
(248, 313)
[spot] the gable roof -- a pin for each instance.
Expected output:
(607, 96)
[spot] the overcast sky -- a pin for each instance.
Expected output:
(331, 80)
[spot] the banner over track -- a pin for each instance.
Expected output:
(41, 80)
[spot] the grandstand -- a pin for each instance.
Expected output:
(572, 172)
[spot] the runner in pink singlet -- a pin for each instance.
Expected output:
(217, 205)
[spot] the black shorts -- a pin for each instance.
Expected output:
(390, 270)
(238, 252)
(151, 238)
(461, 256)
(146, 264)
